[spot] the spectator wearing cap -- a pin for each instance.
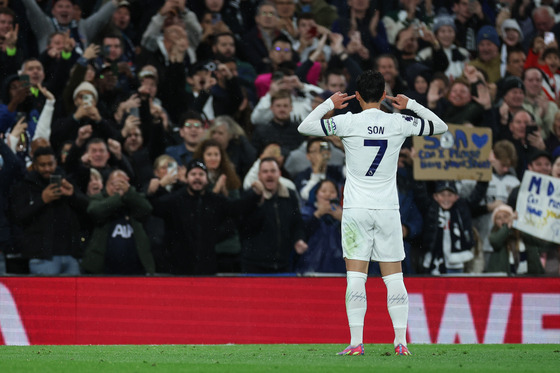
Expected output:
(192, 219)
(448, 237)
(82, 30)
(488, 47)
(444, 55)
(537, 103)
(511, 36)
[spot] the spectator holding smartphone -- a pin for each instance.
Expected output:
(47, 212)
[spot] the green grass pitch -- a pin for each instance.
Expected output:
(278, 358)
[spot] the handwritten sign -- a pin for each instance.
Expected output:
(460, 153)
(538, 206)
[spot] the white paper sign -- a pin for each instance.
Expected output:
(538, 206)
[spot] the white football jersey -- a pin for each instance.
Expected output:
(372, 141)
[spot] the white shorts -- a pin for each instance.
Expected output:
(372, 235)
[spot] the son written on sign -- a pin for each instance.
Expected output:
(460, 153)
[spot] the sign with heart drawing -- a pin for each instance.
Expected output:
(460, 153)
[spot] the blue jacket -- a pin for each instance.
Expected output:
(324, 240)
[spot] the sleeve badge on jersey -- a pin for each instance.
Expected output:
(329, 126)
(415, 122)
(408, 118)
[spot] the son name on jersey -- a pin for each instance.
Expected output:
(376, 130)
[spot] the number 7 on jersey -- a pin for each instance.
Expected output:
(382, 148)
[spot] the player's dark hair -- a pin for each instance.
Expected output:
(371, 85)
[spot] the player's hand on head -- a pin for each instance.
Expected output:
(340, 100)
(399, 102)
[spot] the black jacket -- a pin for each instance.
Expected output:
(269, 233)
(192, 223)
(48, 229)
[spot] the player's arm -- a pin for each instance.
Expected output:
(314, 125)
(430, 124)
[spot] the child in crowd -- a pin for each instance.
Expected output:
(448, 231)
(510, 254)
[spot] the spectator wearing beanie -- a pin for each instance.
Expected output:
(444, 55)
(488, 47)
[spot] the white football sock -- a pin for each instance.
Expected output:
(356, 305)
(397, 304)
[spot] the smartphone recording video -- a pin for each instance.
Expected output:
(87, 99)
(216, 17)
(56, 179)
(313, 31)
(548, 38)
(24, 79)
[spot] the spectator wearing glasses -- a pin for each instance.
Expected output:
(191, 131)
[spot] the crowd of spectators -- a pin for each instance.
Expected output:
(160, 136)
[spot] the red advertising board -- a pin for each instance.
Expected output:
(217, 310)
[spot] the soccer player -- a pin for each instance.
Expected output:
(371, 225)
